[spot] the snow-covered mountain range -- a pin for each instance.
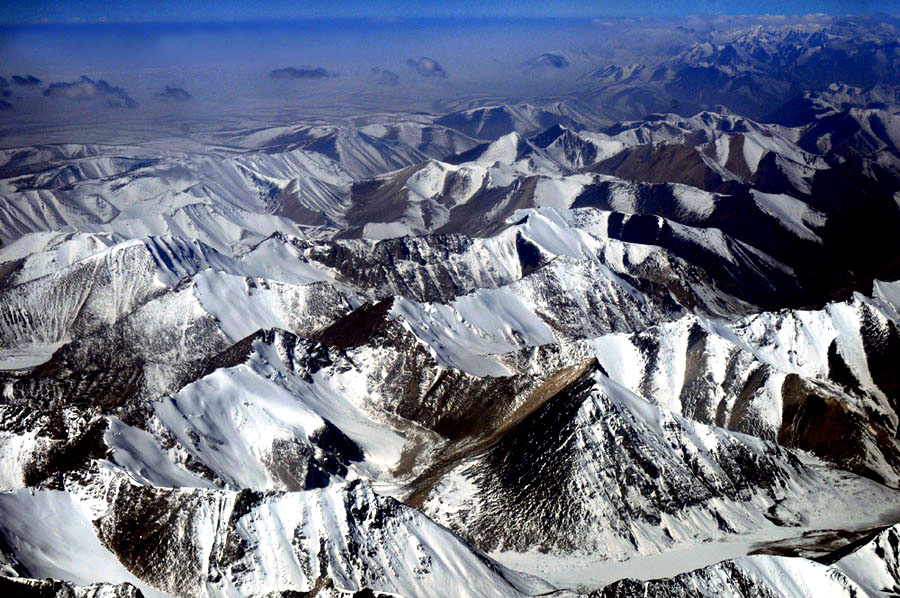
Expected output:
(507, 350)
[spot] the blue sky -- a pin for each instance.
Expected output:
(61, 11)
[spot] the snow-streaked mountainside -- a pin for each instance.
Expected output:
(511, 348)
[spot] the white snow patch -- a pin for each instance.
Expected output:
(52, 536)
(791, 213)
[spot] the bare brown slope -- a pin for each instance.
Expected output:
(667, 163)
(493, 429)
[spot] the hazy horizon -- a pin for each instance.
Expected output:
(219, 69)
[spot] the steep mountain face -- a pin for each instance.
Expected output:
(620, 480)
(206, 542)
(799, 378)
(378, 542)
(501, 351)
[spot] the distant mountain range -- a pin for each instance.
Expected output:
(748, 72)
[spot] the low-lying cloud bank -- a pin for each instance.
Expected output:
(427, 67)
(174, 93)
(88, 90)
(290, 72)
(549, 60)
(27, 80)
(384, 77)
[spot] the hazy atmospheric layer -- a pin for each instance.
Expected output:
(118, 74)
